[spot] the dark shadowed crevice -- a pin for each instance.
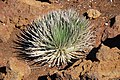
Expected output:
(112, 21)
(3, 69)
(48, 1)
(42, 78)
(55, 77)
(70, 64)
(110, 42)
(3, 0)
(87, 77)
(85, 15)
(113, 42)
(92, 55)
(52, 77)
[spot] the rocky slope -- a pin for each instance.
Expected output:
(103, 61)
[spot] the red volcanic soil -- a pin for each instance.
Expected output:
(103, 61)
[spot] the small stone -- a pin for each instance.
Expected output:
(16, 69)
(106, 24)
(2, 60)
(5, 32)
(117, 22)
(113, 30)
(1, 77)
(92, 13)
(108, 66)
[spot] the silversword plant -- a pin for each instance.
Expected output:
(56, 37)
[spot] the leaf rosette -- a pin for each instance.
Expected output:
(55, 38)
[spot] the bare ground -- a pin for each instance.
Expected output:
(102, 63)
